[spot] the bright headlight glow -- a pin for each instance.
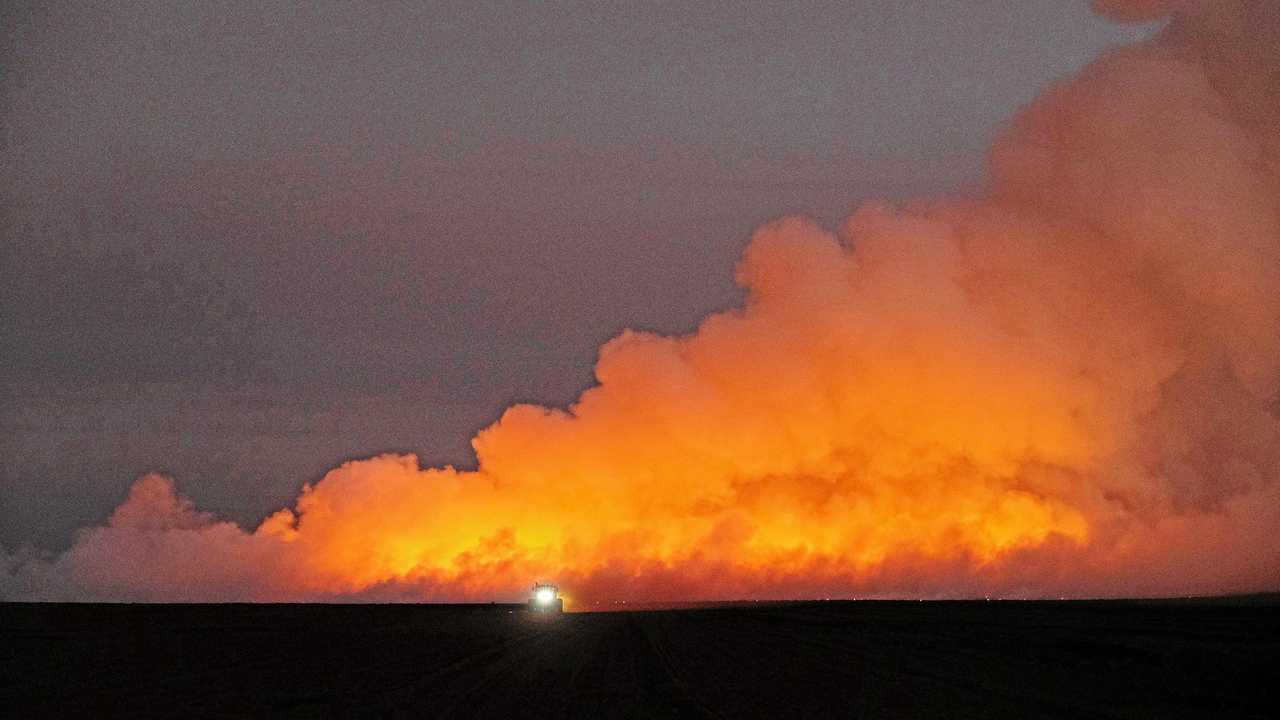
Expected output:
(546, 595)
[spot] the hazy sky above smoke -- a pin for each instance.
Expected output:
(242, 244)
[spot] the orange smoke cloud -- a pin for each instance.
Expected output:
(1065, 387)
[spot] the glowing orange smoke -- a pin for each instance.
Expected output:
(1064, 387)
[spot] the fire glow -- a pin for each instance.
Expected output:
(1064, 387)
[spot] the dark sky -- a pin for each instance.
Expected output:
(242, 244)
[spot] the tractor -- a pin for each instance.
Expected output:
(546, 599)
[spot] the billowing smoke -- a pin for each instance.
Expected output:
(1066, 386)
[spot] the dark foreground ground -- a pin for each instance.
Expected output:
(832, 659)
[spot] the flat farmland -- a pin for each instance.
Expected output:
(814, 659)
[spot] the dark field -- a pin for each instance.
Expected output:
(831, 659)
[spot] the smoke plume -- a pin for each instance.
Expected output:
(1066, 386)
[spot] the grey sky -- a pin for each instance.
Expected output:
(242, 244)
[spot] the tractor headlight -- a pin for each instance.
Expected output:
(545, 596)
